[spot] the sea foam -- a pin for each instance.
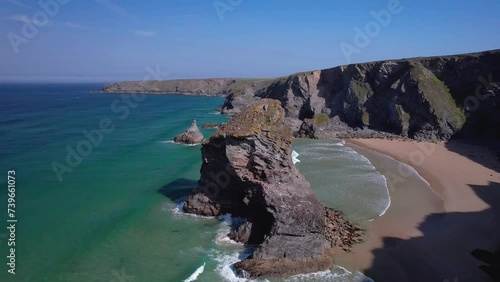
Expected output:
(294, 157)
(195, 274)
(177, 210)
(222, 237)
(225, 265)
(337, 273)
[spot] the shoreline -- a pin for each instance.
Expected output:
(437, 164)
(428, 234)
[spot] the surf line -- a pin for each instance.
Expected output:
(195, 274)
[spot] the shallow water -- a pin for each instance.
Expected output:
(342, 178)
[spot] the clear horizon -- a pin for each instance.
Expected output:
(105, 40)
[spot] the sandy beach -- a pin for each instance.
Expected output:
(437, 217)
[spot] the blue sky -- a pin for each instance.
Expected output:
(107, 40)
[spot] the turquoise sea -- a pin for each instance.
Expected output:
(113, 213)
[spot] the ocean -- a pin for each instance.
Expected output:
(99, 188)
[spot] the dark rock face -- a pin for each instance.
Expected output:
(191, 136)
(248, 171)
(420, 98)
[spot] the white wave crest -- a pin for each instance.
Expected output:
(337, 273)
(294, 157)
(195, 274)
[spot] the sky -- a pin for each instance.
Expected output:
(112, 40)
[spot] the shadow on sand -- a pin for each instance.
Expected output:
(461, 147)
(444, 251)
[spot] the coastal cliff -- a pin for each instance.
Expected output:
(420, 98)
(247, 171)
(431, 99)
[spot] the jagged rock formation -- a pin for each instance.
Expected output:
(247, 171)
(421, 98)
(191, 136)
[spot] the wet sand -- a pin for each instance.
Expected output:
(437, 216)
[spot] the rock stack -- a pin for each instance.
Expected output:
(191, 136)
(247, 171)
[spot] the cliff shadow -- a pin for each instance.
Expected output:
(178, 189)
(444, 251)
(473, 149)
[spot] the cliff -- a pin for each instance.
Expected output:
(421, 98)
(430, 99)
(247, 171)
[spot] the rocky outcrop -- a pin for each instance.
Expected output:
(191, 136)
(247, 171)
(421, 98)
